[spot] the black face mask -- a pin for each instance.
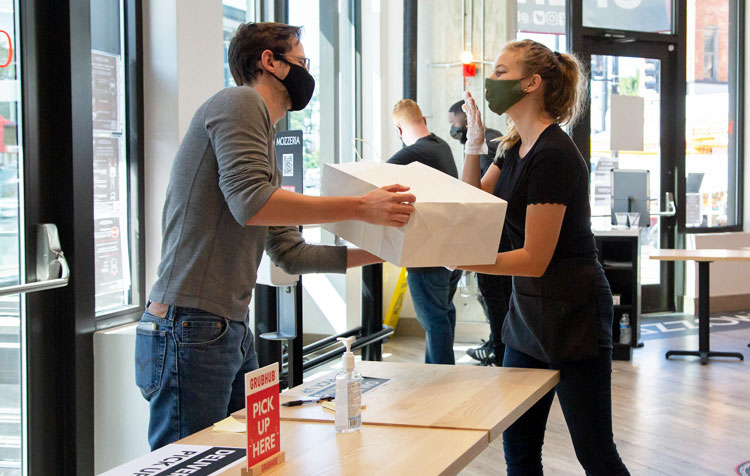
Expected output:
(299, 84)
(459, 133)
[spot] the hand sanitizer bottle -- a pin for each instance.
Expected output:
(348, 392)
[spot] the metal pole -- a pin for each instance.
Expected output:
(463, 26)
(266, 310)
(704, 310)
(372, 309)
(481, 83)
(410, 49)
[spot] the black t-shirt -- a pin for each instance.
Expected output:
(485, 160)
(430, 150)
(433, 151)
(553, 171)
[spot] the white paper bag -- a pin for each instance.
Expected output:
(453, 222)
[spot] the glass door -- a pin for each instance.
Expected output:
(12, 319)
(630, 132)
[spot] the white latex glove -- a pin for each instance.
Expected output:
(475, 143)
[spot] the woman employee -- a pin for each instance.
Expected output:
(560, 314)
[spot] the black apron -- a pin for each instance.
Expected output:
(553, 318)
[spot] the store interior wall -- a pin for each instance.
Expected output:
(182, 67)
(177, 80)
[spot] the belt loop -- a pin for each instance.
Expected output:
(170, 312)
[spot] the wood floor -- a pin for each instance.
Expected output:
(671, 417)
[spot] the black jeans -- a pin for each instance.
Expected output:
(586, 400)
(494, 296)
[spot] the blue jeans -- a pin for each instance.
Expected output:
(190, 366)
(432, 293)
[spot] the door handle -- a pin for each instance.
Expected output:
(671, 208)
(50, 261)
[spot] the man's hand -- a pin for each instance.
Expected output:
(386, 206)
(475, 143)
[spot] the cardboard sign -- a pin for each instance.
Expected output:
(263, 428)
(181, 459)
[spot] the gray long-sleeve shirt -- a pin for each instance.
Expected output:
(224, 172)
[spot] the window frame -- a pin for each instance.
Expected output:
(134, 134)
(736, 147)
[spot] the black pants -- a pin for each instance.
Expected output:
(585, 396)
(494, 296)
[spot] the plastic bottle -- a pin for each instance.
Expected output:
(625, 329)
(348, 392)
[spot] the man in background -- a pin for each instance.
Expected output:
(432, 289)
(457, 119)
(494, 290)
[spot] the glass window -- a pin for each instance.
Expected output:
(654, 16)
(12, 316)
(710, 53)
(711, 114)
(235, 12)
(114, 237)
(306, 13)
(543, 22)
(328, 126)
(625, 135)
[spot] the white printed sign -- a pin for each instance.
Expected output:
(194, 460)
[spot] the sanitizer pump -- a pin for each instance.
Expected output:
(348, 392)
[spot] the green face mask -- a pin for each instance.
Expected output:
(501, 94)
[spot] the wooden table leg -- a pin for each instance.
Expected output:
(704, 316)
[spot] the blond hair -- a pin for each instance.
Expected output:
(564, 79)
(407, 111)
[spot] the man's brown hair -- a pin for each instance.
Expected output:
(251, 40)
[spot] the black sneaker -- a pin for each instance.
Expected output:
(481, 353)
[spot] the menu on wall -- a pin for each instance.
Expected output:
(106, 176)
(105, 92)
(111, 234)
(111, 274)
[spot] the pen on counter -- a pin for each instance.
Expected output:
(306, 401)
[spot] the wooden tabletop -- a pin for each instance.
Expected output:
(701, 255)
(438, 396)
(316, 449)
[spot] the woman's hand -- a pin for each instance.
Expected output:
(475, 143)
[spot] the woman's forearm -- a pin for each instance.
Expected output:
(512, 263)
(471, 173)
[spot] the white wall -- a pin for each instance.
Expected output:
(183, 66)
(120, 412)
(382, 64)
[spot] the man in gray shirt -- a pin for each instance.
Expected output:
(223, 207)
